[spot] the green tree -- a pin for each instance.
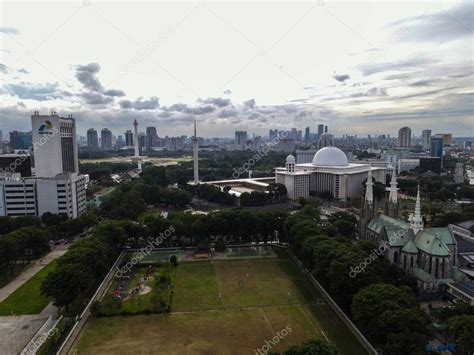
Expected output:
(391, 318)
(461, 330)
(316, 346)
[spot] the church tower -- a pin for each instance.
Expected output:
(367, 208)
(392, 204)
(416, 220)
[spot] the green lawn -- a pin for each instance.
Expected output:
(196, 287)
(27, 299)
(226, 307)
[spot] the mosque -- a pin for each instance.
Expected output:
(329, 172)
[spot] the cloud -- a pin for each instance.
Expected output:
(4, 69)
(341, 77)
(250, 103)
(114, 93)
(448, 25)
(9, 30)
(140, 104)
(23, 70)
(86, 76)
(412, 63)
(228, 113)
(216, 101)
(227, 92)
(195, 110)
(96, 98)
(29, 91)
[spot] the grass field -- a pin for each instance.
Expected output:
(27, 299)
(225, 307)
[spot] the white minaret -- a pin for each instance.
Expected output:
(393, 196)
(369, 191)
(136, 157)
(416, 221)
(195, 155)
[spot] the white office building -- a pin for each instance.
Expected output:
(57, 186)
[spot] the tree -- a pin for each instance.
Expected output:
(65, 283)
(461, 330)
(345, 228)
(391, 318)
(316, 346)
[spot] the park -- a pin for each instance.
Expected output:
(231, 305)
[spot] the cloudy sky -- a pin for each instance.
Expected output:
(360, 67)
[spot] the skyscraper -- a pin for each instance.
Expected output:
(320, 130)
(20, 140)
(106, 139)
(436, 147)
(92, 138)
(404, 137)
(307, 135)
(129, 138)
(55, 145)
(151, 137)
(425, 137)
(241, 139)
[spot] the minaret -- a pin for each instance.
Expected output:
(392, 205)
(195, 155)
(416, 221)
(136, 157)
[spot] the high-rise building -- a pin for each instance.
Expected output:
(151, 137)
(20, 140)
(106, 139)
(241, 139)
(129, 138)
(1, 136)
(404, 137)
(425, 137)
(307, 135)
(273, 134)
(447, 138)
(57, 187)
(436, 147)
(55, 145)
(320, 130)
(92, 138)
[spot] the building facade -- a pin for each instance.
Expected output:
(404, 137)
(430, 254)
(106, 139)
(328, 173)
(92, 139)
(425, 138)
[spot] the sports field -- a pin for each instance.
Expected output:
(225, 307)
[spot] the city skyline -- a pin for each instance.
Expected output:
(382, 67)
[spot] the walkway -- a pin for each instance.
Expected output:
(27, 274)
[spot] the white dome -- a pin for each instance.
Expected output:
(330, 156)
(290, 159)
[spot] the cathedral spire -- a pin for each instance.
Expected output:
(369, 190)
(393, 196)
(416, 222)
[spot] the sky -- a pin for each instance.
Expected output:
(358, 67)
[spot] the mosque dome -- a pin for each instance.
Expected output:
(290, 159)
(330, 156)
